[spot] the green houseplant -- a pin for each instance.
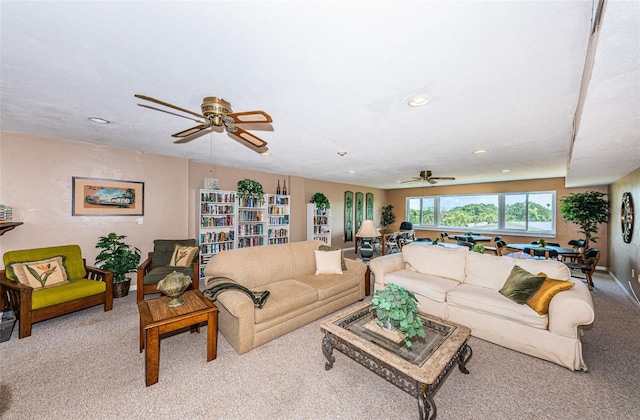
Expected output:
(321, 201)
(587, 210)
(478, 248)
(119, 258)
(388, 218)
(248, 188)
(396, 307)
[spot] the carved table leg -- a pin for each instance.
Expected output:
(465, 354)
(327, 350)
(426, 406)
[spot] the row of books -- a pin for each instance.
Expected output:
(6, 213)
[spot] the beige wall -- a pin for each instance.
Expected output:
(625, 257)
(36, 179)
(564, 231)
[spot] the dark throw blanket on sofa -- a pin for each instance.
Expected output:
(215, 285)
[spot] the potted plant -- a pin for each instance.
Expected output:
(119, 258)
(388, 218)
(396, 307)
(321, 201)
(248, 188)
(478, 248)
(587, 210)
(541, 242)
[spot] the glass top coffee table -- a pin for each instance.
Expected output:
(420, 370)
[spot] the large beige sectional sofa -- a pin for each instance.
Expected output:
(297, 295)
(463, 287)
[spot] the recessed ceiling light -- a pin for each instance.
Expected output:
(419, 101)
(342, 152)
(352, 172)
(504, 171)
(480, 151)
(265, 154)
(99, 120)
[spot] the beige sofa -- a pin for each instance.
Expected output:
(463, 286)
(297, 295)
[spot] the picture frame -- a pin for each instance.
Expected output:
(106, 197)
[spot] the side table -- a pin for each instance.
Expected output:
(157, 319)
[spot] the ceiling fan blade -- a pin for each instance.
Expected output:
(445, 178)
(431, 181)
(172, 113)
(254, 141)
(167, 104)
(250, 117)
(190, 131)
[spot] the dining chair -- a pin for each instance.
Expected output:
(392, 245)
(501, 247)
(466, 243)
(493, 249)
(542, 253)
(444, 236)
(586, 264)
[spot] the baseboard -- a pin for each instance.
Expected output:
(632, 297)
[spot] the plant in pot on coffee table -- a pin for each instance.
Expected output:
(396, 308)
(119, 258)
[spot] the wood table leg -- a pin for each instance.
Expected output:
(152, 356)
(367, 281)
(212, 336)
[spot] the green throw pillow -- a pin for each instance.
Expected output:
(521, 285)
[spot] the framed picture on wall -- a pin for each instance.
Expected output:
(106, 197)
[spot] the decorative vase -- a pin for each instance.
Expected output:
(121, 289)
(173, 285)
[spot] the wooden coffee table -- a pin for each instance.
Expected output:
(157, 319)
(420, 371)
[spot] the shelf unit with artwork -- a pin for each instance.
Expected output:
(252, 222)
(318, 224)
(216, 224)
(278, 218)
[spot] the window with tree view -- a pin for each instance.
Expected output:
(526, 212)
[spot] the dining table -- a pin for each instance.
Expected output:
(474, 238)
(565, 252)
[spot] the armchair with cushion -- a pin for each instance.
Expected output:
(168, 255)
(42, 283)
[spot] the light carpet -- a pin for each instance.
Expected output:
(86, 365)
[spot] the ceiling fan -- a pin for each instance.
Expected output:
(216, 112)
(426, 176)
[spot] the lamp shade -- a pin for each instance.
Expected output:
(367, 230)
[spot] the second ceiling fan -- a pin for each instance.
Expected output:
(216, 112)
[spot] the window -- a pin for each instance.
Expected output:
(525, 212)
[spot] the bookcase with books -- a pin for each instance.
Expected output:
(278, 222)
(318, 224)
(216, 224)
(252, 222)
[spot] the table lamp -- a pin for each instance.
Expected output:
(367, 232)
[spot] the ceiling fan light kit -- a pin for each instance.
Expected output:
(427, 176)
(216, 112)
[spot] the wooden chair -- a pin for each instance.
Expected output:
(444, 236)
(501, 247)
(87, 286)
(542, 253)
(158, 265)
(392, 245)
(467, 244)
(586, 264)
(493, 249)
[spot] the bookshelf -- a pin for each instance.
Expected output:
(252, 222)
(278, 218)
(216, 222)
(318, 224)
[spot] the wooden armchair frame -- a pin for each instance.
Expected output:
(148, 289)
(17, 296)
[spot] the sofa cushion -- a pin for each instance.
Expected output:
(183, 255)
(330, 285)
(487, 270)
(79, 288)
(49, 272)
(328, 262)
(72, 253)
(286, 296)
(432, 287)
(437, 261)
(158, 273)
(541, 299)
(491, 302)
(521, 285)
(163, 249)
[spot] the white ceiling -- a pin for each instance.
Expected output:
(502, 76)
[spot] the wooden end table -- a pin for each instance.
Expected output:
(157, 319)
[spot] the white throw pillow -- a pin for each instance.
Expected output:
(436, 260)
(328, 262)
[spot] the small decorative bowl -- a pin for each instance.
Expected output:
(173, 285)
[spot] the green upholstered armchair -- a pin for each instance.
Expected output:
(158, 265)
(82, 286)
